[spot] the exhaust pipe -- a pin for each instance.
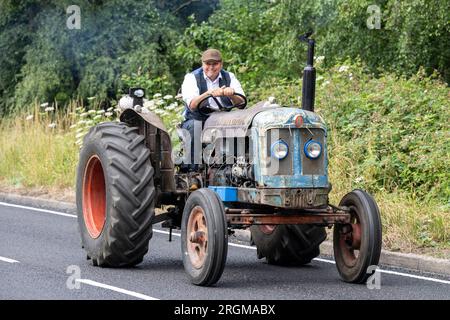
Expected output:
(309, 75)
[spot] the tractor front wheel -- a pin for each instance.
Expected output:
(357, 245)
(204, 237)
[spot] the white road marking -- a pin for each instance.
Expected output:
(414, 276)
(116, 289)
(325, 260)
(8, 260)
(241, 246)
(38, 210)
(166, 232)
(231, 244)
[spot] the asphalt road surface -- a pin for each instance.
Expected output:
(41, 258)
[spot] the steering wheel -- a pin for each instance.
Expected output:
(205, 109)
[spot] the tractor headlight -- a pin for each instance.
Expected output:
(313, 149)
(279, 149)
(137, 92)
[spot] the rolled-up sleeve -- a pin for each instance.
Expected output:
(235, 84)
(189, 89)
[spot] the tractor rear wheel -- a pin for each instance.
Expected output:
(287, 244)
(115, 195)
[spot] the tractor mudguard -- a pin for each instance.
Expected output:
(158, 141)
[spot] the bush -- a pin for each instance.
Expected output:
(259, 40)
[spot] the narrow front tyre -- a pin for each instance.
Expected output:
(204, 237)
(357, 245)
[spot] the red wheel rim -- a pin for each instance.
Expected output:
(94, 197)
(350, 242)
(267, 228)
(197, 237)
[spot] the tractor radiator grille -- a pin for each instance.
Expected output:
(316, 166)
(306, 166)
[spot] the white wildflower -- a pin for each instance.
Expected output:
(30, 117)
(160, 102)
(359, 179)
(149, 104)
(52, 125)
(98, 117)
(84, 115)
(108, 114)
(319, 59)
(157, 95)
(179, 96)
(110, 109)
(327, 82)
(45, 104)
(101, 111)
(92, 111)
(73, 126)
(49, 109)
(172, 106)
(91, 98)
(80, 135)
(343, 68)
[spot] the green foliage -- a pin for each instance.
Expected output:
(152, 85)
(169, 108)
(413, 33)
(87, 117)
(117, 38)
(259, 39)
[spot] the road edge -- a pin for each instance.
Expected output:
(393, 259)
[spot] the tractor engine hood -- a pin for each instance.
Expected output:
(233, 123)
(263, 116)
(286, 118)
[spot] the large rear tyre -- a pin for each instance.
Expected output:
(204, 237)
(288, 245)
(358, 245)
(115, 195)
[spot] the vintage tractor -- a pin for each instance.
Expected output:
(264, 168)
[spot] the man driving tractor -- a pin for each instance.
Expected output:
(208, 81)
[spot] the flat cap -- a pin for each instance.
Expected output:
(211, 55)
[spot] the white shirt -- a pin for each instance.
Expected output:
(189, 89)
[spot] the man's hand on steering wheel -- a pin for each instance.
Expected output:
(221, 92)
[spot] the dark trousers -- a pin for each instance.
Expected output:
(193, 144)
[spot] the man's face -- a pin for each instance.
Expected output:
(212, 69)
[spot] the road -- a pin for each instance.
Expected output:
(41, 258)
